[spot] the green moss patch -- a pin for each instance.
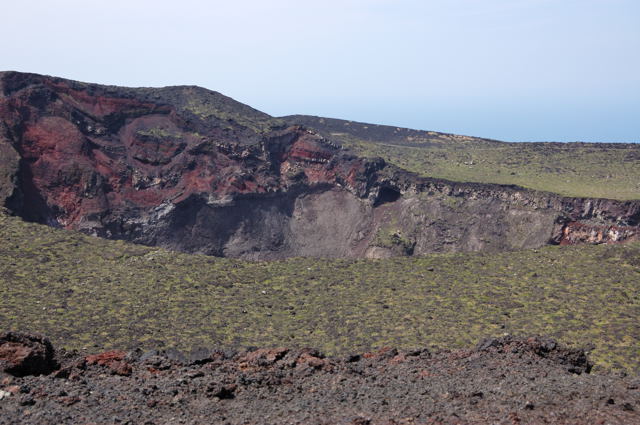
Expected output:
(602, 170)
(89, 293)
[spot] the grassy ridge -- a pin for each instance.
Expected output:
(602, 170)
(567, 170)
(91, 293)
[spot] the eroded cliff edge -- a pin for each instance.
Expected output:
(192, 170)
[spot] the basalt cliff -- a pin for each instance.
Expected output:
(192, 170)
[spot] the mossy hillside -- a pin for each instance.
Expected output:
(9, 160)
(568, 170)
(93, 294)
(603, 170)
(159, 133)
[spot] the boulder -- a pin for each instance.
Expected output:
(24, 354)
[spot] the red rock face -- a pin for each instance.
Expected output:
(114, 360)
(192, 170)
(25, 354)
(87, 152)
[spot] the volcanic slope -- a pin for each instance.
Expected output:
(191, 170)
(90, 293)
(600, 170)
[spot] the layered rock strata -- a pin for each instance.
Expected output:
(192, 170)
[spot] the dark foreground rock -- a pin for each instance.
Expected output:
(25, 354)
(501, 381)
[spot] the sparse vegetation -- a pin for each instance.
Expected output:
(82, 291)
(603, 170)
(392, 238)
(158, 133)
(207, 107)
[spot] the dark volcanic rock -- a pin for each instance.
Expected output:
(26, 354)
(575, 360)
(190, 169)
(503, 381)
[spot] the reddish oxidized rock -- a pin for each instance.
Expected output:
(263, 356)
(106, 358)
(26, 354)
(114, 360)
(309, 360)
(140, 164)
(382, 353)
(192, 170)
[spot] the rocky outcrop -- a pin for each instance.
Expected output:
(504, 380)
(576, 232)
(25, 354)
(192, 170)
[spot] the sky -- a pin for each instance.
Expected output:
(514, 70)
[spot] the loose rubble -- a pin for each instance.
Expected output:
(501, 381)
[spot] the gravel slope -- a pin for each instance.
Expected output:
(501, 381)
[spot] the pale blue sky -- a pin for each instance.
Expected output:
(516, 70)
